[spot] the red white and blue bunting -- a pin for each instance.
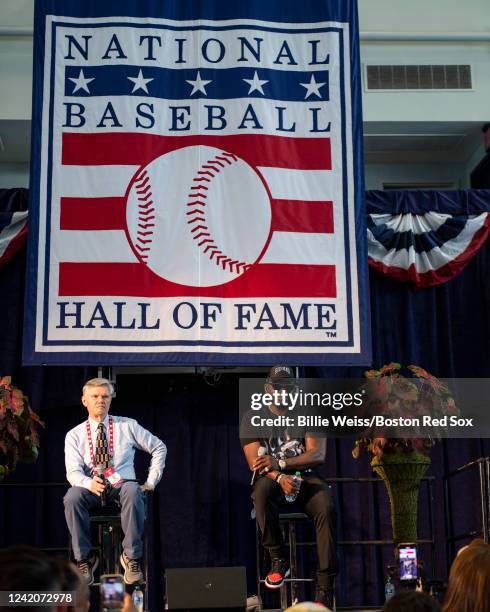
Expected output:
(13, 234)
(424, 249)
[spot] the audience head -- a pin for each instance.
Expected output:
(468, 588)
(23, 568)
(73, 581)
(307, 606)
(411, 601)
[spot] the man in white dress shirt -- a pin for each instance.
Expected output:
(105, 444)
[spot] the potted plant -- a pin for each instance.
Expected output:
(19, 440)
(402, 462)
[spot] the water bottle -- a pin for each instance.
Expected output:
(138, 598)
(297, 481)
(389, 589)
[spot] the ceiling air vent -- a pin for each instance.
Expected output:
(453, 76)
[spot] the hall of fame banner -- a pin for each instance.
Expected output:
(196, 185)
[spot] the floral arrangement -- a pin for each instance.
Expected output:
(393, 394)
(19, 440)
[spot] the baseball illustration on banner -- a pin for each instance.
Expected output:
(198, 216)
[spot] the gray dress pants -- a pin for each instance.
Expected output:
(79, 501)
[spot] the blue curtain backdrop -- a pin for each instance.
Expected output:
(200, 513)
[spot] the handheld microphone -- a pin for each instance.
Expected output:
(260, 453)
(99, 471)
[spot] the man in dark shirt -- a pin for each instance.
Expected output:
(288, 452)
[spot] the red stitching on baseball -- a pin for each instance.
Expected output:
(141, 177)
(216, 161)
(149, 203)
(214, 252)
(145, 190)
(224, 159)
(205, 241)
(211, 168)
(198, 227)
(146, 209)
(141, 184)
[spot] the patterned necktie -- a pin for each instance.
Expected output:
(101, 447)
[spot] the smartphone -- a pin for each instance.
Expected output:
(111, 592)
(407, 559)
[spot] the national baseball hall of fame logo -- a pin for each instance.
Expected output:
(196, 199)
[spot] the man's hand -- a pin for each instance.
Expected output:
(288, 485)
(147, 487)
(265, 464)
(97, 485)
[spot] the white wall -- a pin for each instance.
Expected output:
(424, 15)
(14, 175)
(15, 78)
(429, 105)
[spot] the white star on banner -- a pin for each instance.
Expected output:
(80, 82)
(140, 82)
(255, 84)
(312, 87)
(198, 85)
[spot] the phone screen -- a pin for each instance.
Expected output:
(407, 556)
(112, 591)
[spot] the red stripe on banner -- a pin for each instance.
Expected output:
(302, 216)
(263, 280)
(110, 214)
(129, 149)
(420, 280)
(93, 214)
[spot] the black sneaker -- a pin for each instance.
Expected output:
(133, 574)
(87, 567)
(325, 597)
(278, 572)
